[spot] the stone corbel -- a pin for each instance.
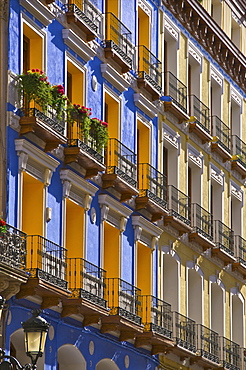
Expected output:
(154, 241)
(87, 202)
(66, 188)
(12, 289)
(23, 157)
(123, 222)
(104, 212)
(137, 232)
(47, 177)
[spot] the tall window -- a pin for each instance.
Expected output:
(216, 8)
(237, 319)
(195, 296)
(171, 281)
(217, 308)
(75, 83)
(32, 49)
(111, 115)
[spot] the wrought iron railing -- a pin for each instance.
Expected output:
(208, 344)
(13, 248)
(239, 150)
(87, 12)
(185, 332)
(179, 204)
(123, 299)
(176, 90)
(201, 112)
(156, 315)
(222, 132)
(77, 138)
(231, 354)
(121, 161)
(152, 184)
(86, 280)
(46, 260)
(49, 117)
(201, 221)
(240, 249)
(149, 68)
(118, 37)
(224, 237)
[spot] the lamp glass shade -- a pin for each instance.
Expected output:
(35, 342)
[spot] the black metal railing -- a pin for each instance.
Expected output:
(86, 280)
(231, 354)
(121, 161)
(176, 90)
(179, 204)
(86, 142)
(201, 221)
(240, 249)
(222, 132)
(86, 12)
(201, 112)
(208, 344)
(123, 299)
(149, 68)
(48, 117)
(239, 150)
(156, 315)
(152, 184)
(185, 332)
(46, 260)
(224, 237)
(118, 37)
(13, 248)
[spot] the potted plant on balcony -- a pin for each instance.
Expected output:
(99, 132)
(59, 100)
(80, 115)
(34, 87)
(3, 227)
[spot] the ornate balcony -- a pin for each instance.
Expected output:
(87, 284)
(83, 151)
(208, 346)
(149, 72)
(202, 226)
(224, 242)
(185, 335)
(152, 186)
(46, 265)
(199, 122)
(157, 321)
(177, 91)
(230, 354)
(85, 15)
(121, 171)
(118, 46)
(240, 255)
(125, 309)
(12, 261)
(44, 125)
(221, 142)
(238, 161)
(179, 210)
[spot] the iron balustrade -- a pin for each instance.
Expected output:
(48, 117)
(201, 112)
(88, 144)
(123, 299)
(224, 237)
(46, 260)
(156, 315)
(231, 354)
(86, 280)
(176, 90)
(222, 132)
(179, 204)
(208, 344)
(86, 12)
(121, 161)
(149, 68)
(240, 249)
(152, 184)
(201, 221)
(239, 149)
(185, 332)
(118, 37)
(13, 248)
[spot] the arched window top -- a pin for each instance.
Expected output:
(69, 356)
(107, 364)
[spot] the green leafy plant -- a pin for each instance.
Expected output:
(59, 100)
(81, 116)
(3, 227)
(99, 132)
(34, 87)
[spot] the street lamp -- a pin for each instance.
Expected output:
(35, 331)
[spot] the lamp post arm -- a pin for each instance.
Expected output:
(16, 362)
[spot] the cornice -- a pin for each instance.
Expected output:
(38, 10)
(207, 32)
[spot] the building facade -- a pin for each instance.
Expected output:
(132, 244)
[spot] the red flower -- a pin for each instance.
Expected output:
(2, 222)
(104, 124)
(33, 70)
(37, 70)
